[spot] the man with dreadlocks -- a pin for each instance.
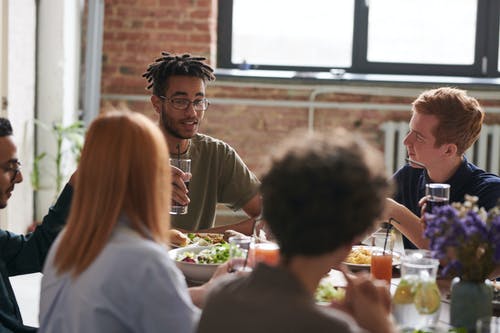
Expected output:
(218, 175)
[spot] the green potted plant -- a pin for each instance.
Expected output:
(69, 142)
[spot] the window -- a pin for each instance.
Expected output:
(266, 32)
(419, 35)
(431, 37)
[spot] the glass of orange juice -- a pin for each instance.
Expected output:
(266, 252)
(264, 248)
(381, 265)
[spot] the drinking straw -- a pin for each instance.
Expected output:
(387, 236)
(178, 152)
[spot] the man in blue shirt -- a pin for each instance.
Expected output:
(445, 122)
(21, 254)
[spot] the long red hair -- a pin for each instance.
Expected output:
(124, 168)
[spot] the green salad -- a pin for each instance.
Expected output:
(326, 292)
(217, 254)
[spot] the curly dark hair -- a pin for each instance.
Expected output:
(5, 127)
(169, 65)
(322, 192)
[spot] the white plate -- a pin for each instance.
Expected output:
(396, 259)
(198, 273)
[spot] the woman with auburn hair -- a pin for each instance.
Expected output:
(109, 270)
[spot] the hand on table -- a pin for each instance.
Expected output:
(232, 233)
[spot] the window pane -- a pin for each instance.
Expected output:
(293, 33)
(422, 31)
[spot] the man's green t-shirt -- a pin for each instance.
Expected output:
(218, 176)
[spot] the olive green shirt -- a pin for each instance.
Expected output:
(218, 176)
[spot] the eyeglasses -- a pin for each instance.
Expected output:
(183, 104)
(13, 166)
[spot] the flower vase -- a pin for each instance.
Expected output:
(469, 302)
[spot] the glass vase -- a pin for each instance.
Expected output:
(469, 302)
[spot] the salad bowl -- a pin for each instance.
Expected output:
(198, 263)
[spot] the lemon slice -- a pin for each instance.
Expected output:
(403, 294)
(427, 298)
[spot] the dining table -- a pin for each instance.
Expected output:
(337, 279)
(444, 285)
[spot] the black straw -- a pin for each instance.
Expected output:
(178, 151)
(387, 236)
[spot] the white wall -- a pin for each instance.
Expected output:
(56, 91)
(58, 81)
(21, 99)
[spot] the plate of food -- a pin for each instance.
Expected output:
(180, 239)
(361, 255)
(198, 263)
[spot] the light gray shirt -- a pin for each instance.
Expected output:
(132, 286)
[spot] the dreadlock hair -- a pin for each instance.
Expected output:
(168, 65)
(5, 127)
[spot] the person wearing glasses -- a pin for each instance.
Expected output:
(22, 254)
(445, 122)
(218, 174)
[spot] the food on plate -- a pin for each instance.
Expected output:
(359, 256)
(326, 292)
(205, 239)
(217, 254)
(177, 238)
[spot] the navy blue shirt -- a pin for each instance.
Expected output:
(468, 179)
(20, 254)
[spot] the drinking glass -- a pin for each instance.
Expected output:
(239, 252)
(264, 248)
(185, 165)
(437, 195)
(383, 239)
(417, 300)
(381, 265)
(381, 255)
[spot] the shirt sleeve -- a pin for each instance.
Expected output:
(166, 300)
(25, 254)
(239, 184)
(489, 193)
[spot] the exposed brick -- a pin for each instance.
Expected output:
(202, 38)
(136, 31)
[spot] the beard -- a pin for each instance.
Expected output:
(168, 125)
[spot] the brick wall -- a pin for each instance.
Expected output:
(136, 31)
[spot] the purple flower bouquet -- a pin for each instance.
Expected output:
(466, 239)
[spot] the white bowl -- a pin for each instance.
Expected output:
(197, 273)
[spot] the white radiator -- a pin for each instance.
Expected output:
(485, 153)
